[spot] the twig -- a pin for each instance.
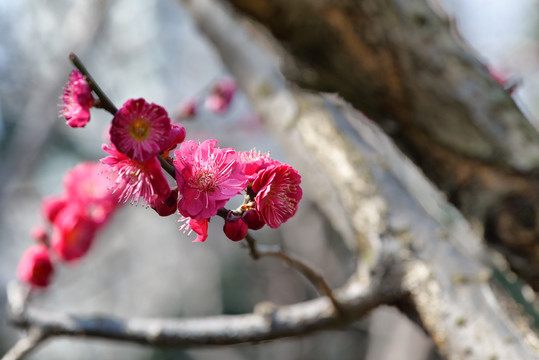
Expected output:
(314, 277)
(167, 167)
(103, 98)
(25, 345)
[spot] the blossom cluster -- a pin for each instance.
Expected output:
(144, 141)
(72, 222)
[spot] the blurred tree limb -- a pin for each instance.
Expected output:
(401, 64)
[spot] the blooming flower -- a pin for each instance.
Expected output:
(207, 178)
(136, 180)
(221, 95)
(35, 266)
(254, 161)
(73, 232)
(87, 184)
(140, 130)
(78, 100)
(277, 194)
(200, 227)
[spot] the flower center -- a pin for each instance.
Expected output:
(205, 181)
(139, 128)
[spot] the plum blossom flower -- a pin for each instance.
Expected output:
(77, 100)
(200, 227)
(176, 136)
(221, 96)
(35, 266)
(87, 184)
(277, 194)
(186, 109)
(140, 130)
(73, 232)
(254, 161)
(136, 180)
(207, 178)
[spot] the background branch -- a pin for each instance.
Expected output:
(297, 319)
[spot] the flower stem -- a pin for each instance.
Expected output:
(167, 166)
(105, 101)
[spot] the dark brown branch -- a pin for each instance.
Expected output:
(103, 98)
(167, 166)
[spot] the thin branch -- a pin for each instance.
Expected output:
(103, 98)
(284, 321)
(313, 276)
(167, 166)
(25, 344)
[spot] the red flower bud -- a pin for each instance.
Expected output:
(35, 267)
(168, 206)
(253, 221)
(235, 228)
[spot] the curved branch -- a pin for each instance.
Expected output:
(313, 276)
(285, 321)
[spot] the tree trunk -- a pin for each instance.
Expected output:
(401, 64)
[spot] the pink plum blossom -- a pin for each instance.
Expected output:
(35, 266)
(200, 227)
(186, 109)
(140, 130)
(86, 183)
(77, 100)
(136, 180)
(176, 136)
(73, 232)
(277, 194)
(221, 96)
(207, 178)
(254, 161)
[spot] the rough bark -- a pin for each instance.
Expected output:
(402, 65)
(379, 201)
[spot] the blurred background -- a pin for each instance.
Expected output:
(141, 264)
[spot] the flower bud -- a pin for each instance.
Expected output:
(168, 206)
(36, 267)
(253, 221)
(235, 228)
(40, 234)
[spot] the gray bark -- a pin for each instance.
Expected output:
(405, 67)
